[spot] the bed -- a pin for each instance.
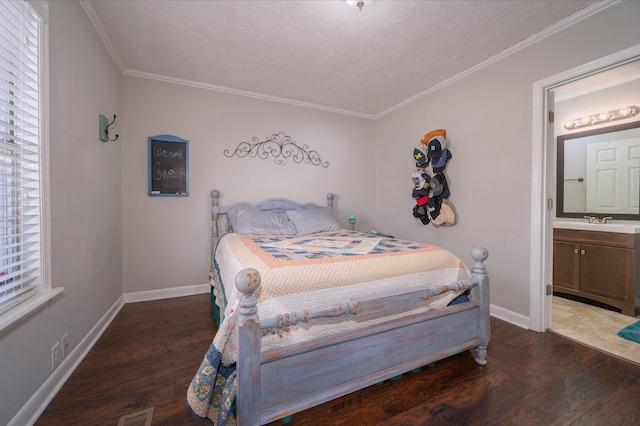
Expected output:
(308, 311)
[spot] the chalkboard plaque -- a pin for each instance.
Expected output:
(168, 166)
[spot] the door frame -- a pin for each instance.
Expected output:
(543, 181)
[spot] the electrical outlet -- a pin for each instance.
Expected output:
(65, 345)
(55, 356)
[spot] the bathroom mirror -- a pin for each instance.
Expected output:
(599, 173)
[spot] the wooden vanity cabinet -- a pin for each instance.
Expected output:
(566, 266)
(600, 266)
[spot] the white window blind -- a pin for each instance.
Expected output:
(20, 154)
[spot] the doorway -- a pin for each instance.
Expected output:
(603, 179)
(543, 181)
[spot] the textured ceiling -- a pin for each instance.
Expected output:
(324, 54)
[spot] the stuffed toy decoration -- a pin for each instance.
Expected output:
(431, 191)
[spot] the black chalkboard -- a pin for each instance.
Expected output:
(168, 166)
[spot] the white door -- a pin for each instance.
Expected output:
(613, 176)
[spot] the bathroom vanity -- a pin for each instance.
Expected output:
(598, 262)
(597, 178)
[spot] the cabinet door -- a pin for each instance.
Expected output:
(566, 266)
(607, 271)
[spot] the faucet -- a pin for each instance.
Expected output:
(594, 219)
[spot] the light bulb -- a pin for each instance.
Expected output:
(586, 120)
(604, 116)
(624, 111)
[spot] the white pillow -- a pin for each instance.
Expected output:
(313, 220)
(250, 222)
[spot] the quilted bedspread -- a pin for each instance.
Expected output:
(329, 260)
(310, 272)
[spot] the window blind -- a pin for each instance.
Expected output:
(20, 178)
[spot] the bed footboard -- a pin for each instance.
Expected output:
(479, 270)
(274, 385)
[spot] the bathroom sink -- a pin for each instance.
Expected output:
(624, 228)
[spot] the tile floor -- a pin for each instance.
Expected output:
(594, 327)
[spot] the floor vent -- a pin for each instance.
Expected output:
(141, 418)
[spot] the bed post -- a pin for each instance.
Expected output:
(219, 221)
(480, 254)
(248, 358)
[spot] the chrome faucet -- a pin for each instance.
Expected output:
(600, 220)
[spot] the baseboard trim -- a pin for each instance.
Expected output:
(31, 411)
(166, 293)
(510, 316)
(35, 406)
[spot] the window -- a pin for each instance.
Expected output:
(21, 155)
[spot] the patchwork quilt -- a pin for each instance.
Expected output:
(310, 272)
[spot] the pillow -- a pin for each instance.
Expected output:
(233, 216)
(310, 221)
(250, 222)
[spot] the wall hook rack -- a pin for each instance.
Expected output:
(104, 128)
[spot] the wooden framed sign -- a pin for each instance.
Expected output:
(168, 166)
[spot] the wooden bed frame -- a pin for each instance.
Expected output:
(277, 383)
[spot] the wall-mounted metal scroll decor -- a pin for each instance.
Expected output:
(281, 147)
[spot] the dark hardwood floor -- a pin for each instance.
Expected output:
(150, 352)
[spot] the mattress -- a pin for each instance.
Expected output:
(312, 272)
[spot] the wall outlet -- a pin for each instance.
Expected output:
(55, 356)
(65, 345)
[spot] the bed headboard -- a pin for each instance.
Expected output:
(278, 204)
(220, 215)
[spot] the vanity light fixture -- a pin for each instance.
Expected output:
(603, 117)
(358, 3)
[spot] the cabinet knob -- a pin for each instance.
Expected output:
(581, 251)
(575, 251)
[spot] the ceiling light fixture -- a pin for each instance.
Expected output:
(603, 117)
(358, 3)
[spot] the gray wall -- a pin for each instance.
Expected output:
(86, 219)
(166, 239)
(488, 118)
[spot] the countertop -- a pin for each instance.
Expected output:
(620, 226)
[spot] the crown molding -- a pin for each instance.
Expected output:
(199, 85)
(102, 32)
(557, 27)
